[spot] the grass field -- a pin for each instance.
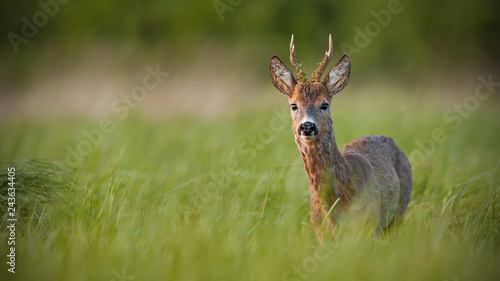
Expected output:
(225, 197)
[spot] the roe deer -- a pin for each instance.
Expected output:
(370, 167)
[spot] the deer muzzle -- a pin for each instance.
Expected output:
(308, 130)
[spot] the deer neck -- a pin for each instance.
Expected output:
(326, 168)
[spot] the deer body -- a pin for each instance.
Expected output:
(371, 170)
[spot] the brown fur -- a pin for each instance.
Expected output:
(371, 169)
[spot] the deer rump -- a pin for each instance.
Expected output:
(380, 179)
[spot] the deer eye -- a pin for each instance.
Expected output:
(324, 106)
(294, 106)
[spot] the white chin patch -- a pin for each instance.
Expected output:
(308, 138)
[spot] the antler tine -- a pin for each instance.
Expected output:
(293, 60)
(298, 69)
(322, 66)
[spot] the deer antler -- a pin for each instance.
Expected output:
(298, 68)
(322, 66)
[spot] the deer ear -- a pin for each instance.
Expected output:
(337, 78)
(282, 78)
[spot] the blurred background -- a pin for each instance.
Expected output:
(197, 177)
(77, 56)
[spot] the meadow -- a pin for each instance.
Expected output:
(225, 196)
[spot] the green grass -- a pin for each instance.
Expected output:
(196, 198)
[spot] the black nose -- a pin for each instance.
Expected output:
(308, 129)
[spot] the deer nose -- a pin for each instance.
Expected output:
(308, 129)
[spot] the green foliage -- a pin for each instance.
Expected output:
(196, 198)
(37, 182)
(460, 33)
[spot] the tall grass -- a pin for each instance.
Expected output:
(177, 199)
(38, 183)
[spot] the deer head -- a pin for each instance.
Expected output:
(310, 101)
